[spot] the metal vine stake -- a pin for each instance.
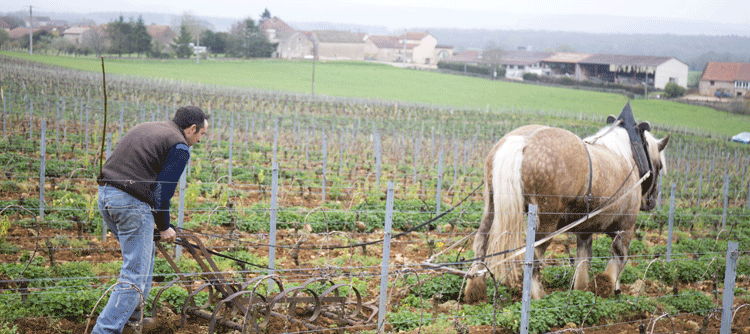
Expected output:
(104, 126)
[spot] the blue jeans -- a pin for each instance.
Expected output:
(132, 223)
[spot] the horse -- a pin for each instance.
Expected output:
(567, 178)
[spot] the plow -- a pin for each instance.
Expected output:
(249, 305)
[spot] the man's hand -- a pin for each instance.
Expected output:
(168, 235)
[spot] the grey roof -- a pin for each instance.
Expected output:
(515, 57)
(625, 60)
(335, 36)
(386, 42)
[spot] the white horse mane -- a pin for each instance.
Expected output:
(617, 140)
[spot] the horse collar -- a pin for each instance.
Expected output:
(637, 142)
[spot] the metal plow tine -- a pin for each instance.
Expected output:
(229, 300)
(189, 300)
(254, 300)
(155, 304)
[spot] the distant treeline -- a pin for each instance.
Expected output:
(695, 50)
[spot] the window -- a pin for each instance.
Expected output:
(672, 79)
(712, 82)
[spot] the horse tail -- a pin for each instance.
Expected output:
(504, 188)
(508, 228)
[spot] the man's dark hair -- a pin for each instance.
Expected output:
(189, 115)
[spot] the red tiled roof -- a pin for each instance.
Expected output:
(744, 73)
(414, 35)
(729, 72)
(160, 31)
(20, 32)
(283, 30)
(76, 30)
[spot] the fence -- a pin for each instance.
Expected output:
(320, 169)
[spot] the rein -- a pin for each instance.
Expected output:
(328, 247)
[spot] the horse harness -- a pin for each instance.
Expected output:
(638, 145)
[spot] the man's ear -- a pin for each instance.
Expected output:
(191, 129)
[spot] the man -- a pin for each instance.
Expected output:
(135, 187)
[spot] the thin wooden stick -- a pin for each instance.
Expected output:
(104, 126)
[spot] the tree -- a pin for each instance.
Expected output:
(61, 45)
(119, 33)
(248, 41)
(13, 21)
(672, 89)
(265, 16)
(93, 40)
(158, 49)
(4, 37)
(194, 25)
(40, 36)
(140, 37)
(181, 43)
(215, 41)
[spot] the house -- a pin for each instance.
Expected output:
(387, 48)
(731, 78)
(566, 64)
(162, 33)
(443, 51)
(75, 34)
(4, 25)
(299, 45)
(635, 70)
(471, 57)
(517, 63)
(412, 47)
(420, 47)
(161, 36)
(623, 69)
(21, 32)
(275, 30)
(339, 45)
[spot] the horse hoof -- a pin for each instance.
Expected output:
(476, 290)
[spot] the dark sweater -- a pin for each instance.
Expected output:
(147, 163)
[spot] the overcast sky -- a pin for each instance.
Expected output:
(398, 14)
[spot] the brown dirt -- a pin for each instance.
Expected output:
(403, 250)
(602, 286)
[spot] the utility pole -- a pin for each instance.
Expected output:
(31, 33)
(197, 46)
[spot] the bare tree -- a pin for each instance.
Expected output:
(194, 24)
(94, 40)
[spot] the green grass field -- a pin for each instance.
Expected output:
(370, 80)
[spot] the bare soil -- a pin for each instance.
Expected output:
(406, 251)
